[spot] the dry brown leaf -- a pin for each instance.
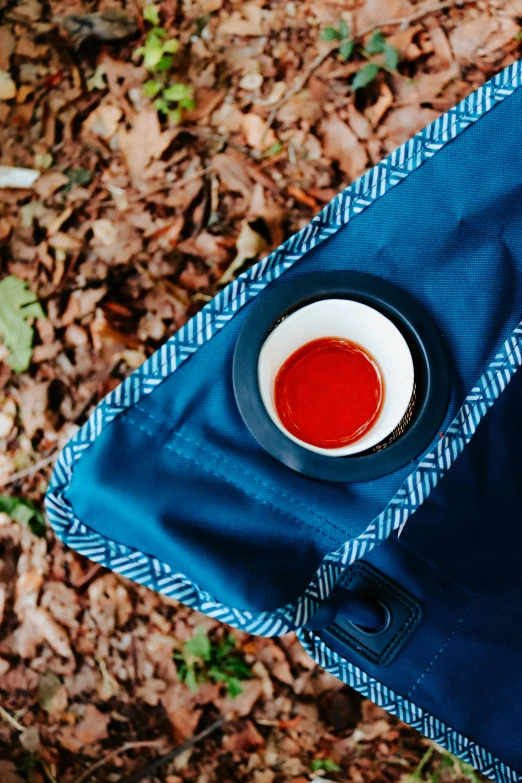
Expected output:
(373, 12)
(63, 604)
(56, 224)
(441, 46)
(484, 35)
(248, 246)
(54, 634)
(27, 590)
(103, 121)
(183, 709)
(257, 137)
(207, 100)
(144, 142)
(243, 704)
(92, 728)
(32, 400)
(210, 247)
(276, 662)
(7, 47)
(359, 123)
(227, 119)
(253, 25)
(49, 183)
(341, 144)
(110, 605)
(66, 242)
(246, 740)
(105, 232)
(376, 111)
(7, 86)
(232, 170)
(301, 106)
(192, 279)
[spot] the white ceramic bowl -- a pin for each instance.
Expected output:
(361, 324)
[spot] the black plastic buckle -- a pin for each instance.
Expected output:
(401, 611)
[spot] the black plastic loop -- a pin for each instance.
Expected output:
(432, 379)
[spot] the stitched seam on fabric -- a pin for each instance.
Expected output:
(402, 632)
(361, 195)
(246, 472)
(444, 646)
(227, 480)
(431, 563)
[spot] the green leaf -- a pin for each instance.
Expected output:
(346, 50)
(17, 304)
(273, 150)
(366, 75)
(161, 106)
(344, 30)
(199, 646)
(171, 46)
(518, 36)
(217, 675)
(159, 32)
(391, 57)
(175, 116)
(329, 34)
(151, 88)
(376, 43)
(152, 52)
(234, 687)
(187, 103)
(79, 176)
(177, 92)
(191, 680)
(165, 63)
(327, 764)
(24, 512)
(151, 14)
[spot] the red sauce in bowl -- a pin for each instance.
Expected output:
(329, 392)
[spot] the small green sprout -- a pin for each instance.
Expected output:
(157, 54)
(202, 660)
(376, 45)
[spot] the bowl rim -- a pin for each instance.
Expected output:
(430, 358)
(393, 409)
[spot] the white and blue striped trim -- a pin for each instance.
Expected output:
(407, 711)
(159, 576)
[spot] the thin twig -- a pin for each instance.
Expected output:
(112, 755)
(150, 769)
(177, 184)
(30, 470)
(321, 57)
(9, 718)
